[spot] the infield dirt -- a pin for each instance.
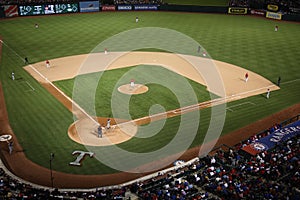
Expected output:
(192, 67)
(26, 169)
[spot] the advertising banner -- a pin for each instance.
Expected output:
(258, 12)
(237, 11)
(124, 7)
(11, 10)
(273, 139)
(108, 8)
(272, 7)
(66, 8)
(89, 6)
(273, 15)
(145, 7)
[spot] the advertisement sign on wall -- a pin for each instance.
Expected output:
(145, 7)
(258, 12)
(273, 15)
(238, 11)
(11, 10)
(89, 6)
(108, 8)
(272, 7)
(124, 7)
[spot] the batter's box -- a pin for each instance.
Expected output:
(239, 106)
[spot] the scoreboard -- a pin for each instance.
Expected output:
(31, 10)
(66, 8)
(26, 10)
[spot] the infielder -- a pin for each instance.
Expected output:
(47, 63)
(246, 77)
(13, 76)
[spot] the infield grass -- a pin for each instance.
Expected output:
(40, 121)
(139, 105)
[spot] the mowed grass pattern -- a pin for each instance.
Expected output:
(139, 105)
(41, 122)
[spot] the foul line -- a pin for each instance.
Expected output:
(62, 93)
(32, 88)
(240, 104)
(199, 106)
(287, 82)
(11, 49)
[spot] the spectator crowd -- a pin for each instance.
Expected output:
(284, 6)
(110, 2)
(228, 173)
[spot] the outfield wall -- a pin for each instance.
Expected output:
(190, 8)
(95, 6)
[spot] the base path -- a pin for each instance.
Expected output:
(192, 67)
(68, 67)
(199, 69)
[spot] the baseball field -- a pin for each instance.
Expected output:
(48, 107)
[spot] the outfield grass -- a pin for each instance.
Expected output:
(41, 122)
(199, 2)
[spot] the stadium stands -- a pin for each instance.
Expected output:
(224, 174)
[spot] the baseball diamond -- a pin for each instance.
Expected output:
(69, 66)
(168, 88)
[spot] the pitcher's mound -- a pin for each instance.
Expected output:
(136, 89)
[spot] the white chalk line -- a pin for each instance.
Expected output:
(201, 105)
(240, 104)
(62, 93)
(32, 89)
(12, 50)
(287, 82)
